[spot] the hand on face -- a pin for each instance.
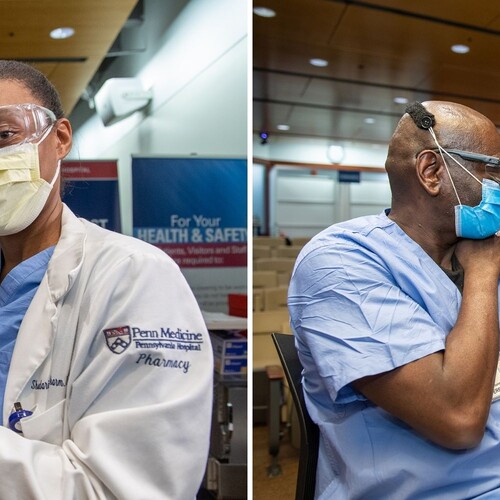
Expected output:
(484, 254)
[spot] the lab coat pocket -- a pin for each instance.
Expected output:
(45, 426)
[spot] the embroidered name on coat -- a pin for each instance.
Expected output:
(43, 385)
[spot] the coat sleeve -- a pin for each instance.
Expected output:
(138, 406)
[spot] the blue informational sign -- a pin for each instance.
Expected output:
(349, 176)
(195, 209)
(91, 191)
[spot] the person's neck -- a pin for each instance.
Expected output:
(438, 242)
(43, 233)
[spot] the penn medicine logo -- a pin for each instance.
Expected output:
(118, 339)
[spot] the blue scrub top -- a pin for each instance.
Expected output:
(16, 292)
(365, 299)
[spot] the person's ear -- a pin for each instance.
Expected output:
(429, 168)
(64, 137)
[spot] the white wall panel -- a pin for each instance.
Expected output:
(306, 189)
(317, 214)
(304, 204)
(369, 192)
(360, 210)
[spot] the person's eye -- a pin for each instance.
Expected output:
(5, 135)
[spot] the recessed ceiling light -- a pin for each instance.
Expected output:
(400, 100)
(264, 12)
(61, 33)
(283, 127)
(370, 121)
(320, 63)
(460, 48)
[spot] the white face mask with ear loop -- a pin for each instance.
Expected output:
(23, 192)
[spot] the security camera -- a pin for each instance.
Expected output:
(264, 136)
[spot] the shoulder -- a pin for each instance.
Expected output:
(359, 233)
(104, 244)
(347, 252)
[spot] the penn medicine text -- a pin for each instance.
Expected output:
(167, 334)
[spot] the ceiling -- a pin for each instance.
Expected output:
(69, 63)
(376, 50)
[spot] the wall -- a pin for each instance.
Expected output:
(312, 150)
(197, 70)
(303, 201)
(196, 63)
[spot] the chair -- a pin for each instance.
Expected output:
(274, 376)
(269, 241)
(309, 431)
(300, 241)
(260, 251)
(282, 266)
(275, 298)
(288, 252)
(258, 299)
(264, 279)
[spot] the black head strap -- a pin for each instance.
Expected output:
(422, 118)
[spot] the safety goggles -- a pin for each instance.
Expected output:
(491, 161)
(21, 123)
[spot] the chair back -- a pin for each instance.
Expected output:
(309, 431)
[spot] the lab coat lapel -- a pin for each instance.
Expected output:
(36, 334)
(32, 347)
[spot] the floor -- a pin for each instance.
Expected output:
(281, 487)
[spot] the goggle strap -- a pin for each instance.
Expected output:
(45, 134)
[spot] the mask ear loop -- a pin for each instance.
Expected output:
(58, 169)
(56, 174)
(441, 151)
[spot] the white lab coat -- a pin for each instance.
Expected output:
(108, 424)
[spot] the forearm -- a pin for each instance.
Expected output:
(471, 354)
(446, 396)
(33, 469)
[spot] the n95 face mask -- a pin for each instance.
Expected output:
(23, 193)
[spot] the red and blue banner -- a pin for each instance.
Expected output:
(91, 191)
(195, 209)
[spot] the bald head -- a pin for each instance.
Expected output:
(456, 127)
